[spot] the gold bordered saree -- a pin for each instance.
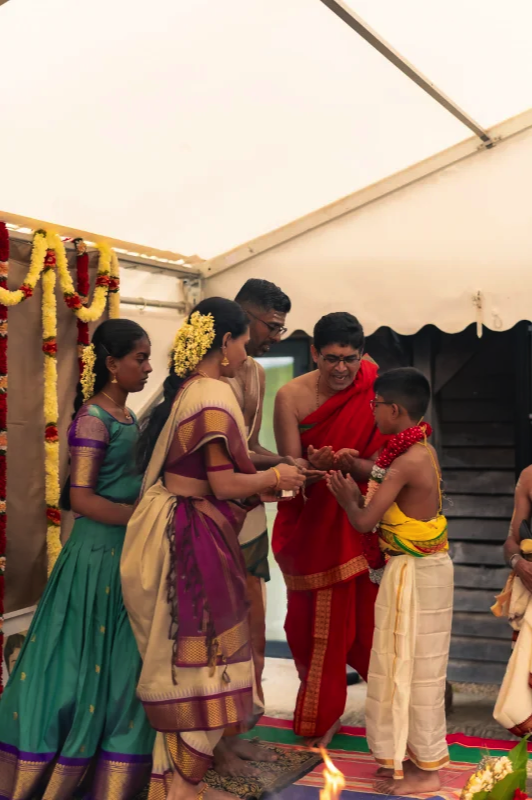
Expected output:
(184, 587)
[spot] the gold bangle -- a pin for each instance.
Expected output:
(278, 476)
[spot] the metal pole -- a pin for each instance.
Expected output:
(357, 24)
(140, 301)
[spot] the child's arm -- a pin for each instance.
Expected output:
(349, 497)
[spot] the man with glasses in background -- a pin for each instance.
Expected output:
(326, 417)
(266, 307)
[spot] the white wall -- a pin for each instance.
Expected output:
(417, 256)
(161, 324)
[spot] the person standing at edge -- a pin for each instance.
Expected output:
(266, 307)
(326, 416)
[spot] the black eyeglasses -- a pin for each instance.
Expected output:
(275, 330)
(374, 403)
(347, 360)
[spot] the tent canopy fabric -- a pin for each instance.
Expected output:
(194, 127)
(451, 249)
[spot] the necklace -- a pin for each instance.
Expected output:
(123, 409)
(318, 391)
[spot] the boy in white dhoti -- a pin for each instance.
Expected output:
(405, 707)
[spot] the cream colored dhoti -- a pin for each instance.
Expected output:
(513, 709)
(405, 706)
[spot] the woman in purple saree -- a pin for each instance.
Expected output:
(183, 577)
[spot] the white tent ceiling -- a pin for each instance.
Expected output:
(196, 125)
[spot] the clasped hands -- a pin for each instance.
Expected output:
(325, 459)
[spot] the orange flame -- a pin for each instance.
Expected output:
(334, 779)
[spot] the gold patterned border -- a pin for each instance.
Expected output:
(428, 765)
(192, 650)
(190, 764)
(388, 763)
(321, 580)
(309, 696)
(63, 782)
(200, 713)
(160, 786)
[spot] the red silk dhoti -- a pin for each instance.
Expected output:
(330, 597)
(327, 629)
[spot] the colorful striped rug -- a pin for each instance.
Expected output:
(349, 751)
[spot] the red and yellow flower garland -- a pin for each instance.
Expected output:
(48, 258)
(83, 287)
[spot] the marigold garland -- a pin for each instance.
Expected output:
(38, 252)
(114, 287)
(82, 271)
(51, 410)
(88, 377)
(86, 313)
(49, 257)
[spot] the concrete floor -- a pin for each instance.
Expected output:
(471, 715)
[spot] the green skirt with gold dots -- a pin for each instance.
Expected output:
(69, 715)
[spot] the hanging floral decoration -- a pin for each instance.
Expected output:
(83, 287)
(51, 410)
(49, 259)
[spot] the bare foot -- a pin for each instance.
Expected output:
(384, 772)
(181, 790)
(229, 765)
(416, 781)
(387, 772)
(250, 751)
(325, 740)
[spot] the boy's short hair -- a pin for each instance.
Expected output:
(407, 387)
(340, 328)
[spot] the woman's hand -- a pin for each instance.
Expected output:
(346, 459)
(292, 478)
(322, 459)
(310, 474)
(345, 490)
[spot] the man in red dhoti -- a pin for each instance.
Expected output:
(326, 417)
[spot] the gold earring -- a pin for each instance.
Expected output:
(225, 360)
(114, 380)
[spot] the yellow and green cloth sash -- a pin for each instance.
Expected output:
(401, 534)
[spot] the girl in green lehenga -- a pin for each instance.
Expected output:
(69, 715)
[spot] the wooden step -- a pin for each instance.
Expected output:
(485, 530)
(481, 625)
(480, 649)
(470, 505)
(476, 672)
(469, 577)
(471, 457)
(475, 434)
(476, 600)
(476, 410)
(476, 481)
(488, 386)
(477, 554)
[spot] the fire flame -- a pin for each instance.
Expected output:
(334, 779)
